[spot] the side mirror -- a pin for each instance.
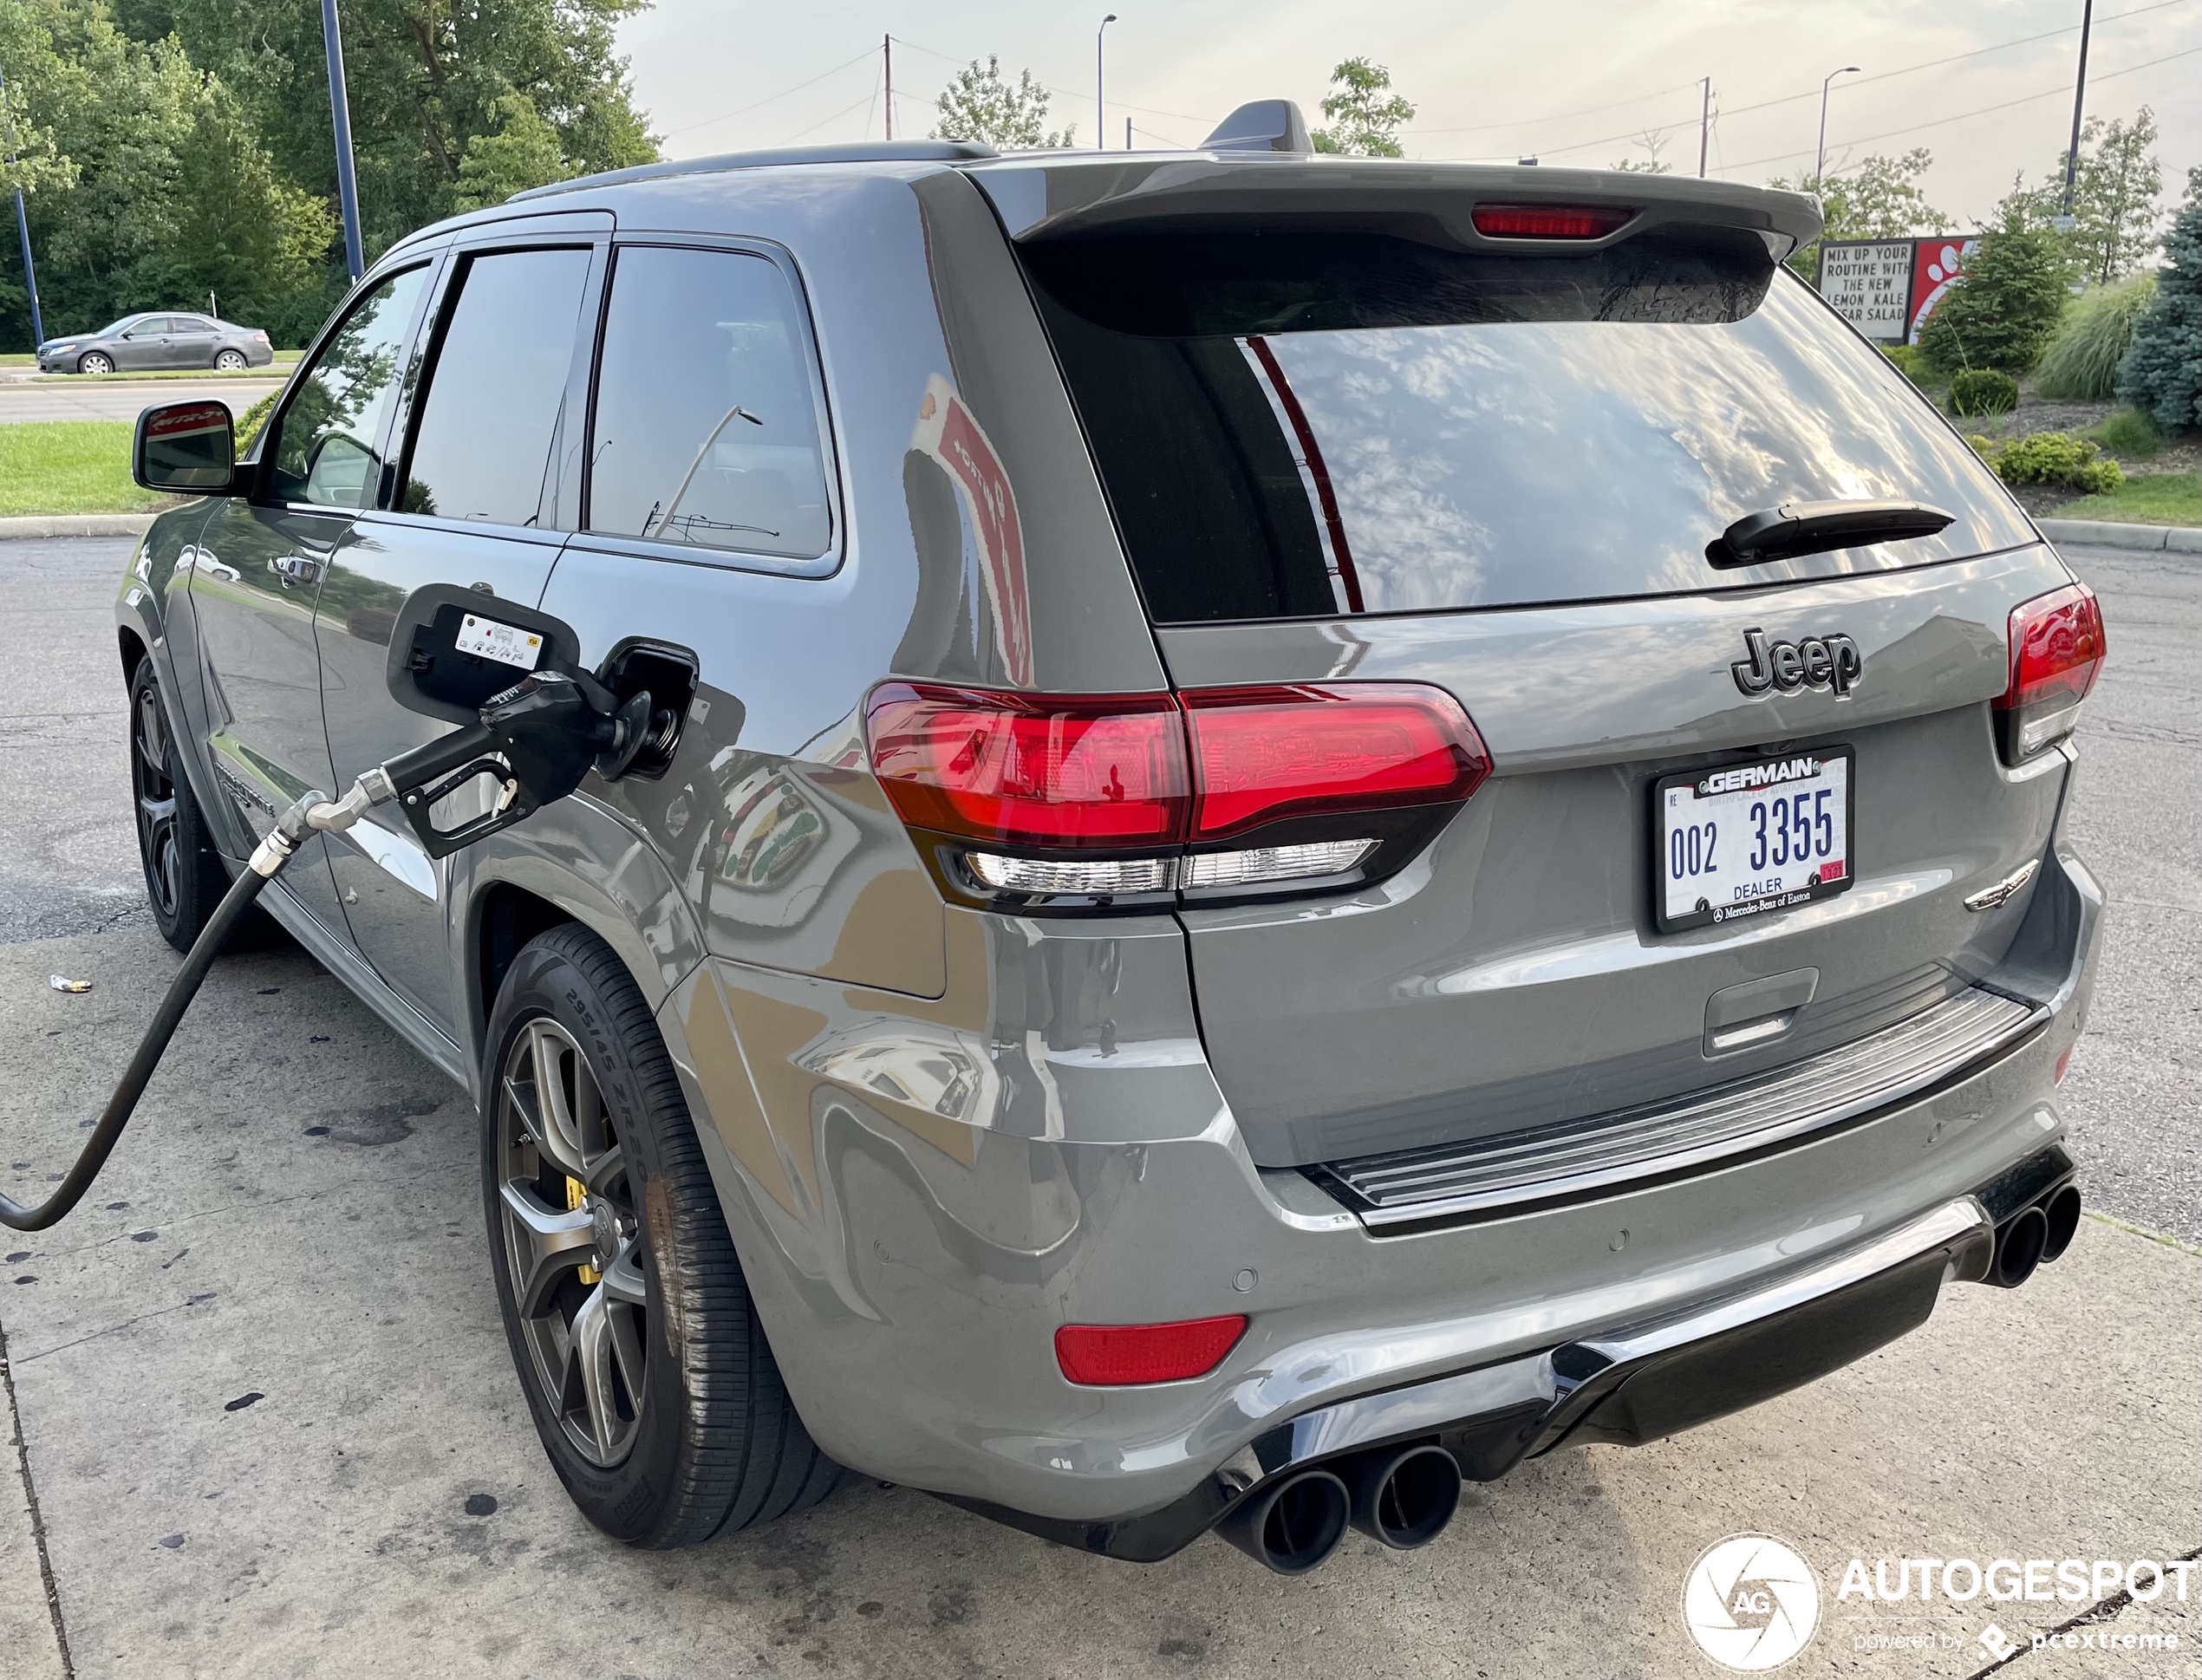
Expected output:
(186, 447)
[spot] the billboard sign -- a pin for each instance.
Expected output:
(1869, 281)
(1935, 267)
(1887, 288)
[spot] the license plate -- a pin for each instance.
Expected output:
(1740, 840)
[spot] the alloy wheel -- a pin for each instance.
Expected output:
(158, 843)
(572, 1240)
(95, 363)
(229, 361)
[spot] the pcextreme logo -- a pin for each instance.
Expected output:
(1751, 1603)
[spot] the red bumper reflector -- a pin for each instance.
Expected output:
(1262, 754)
(1549, 221)
(1115, 1356)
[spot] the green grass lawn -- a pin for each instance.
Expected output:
(2146, 498)
(69, 466)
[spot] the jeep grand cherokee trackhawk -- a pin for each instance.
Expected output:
(1333, 820)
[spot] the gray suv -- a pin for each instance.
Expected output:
(1316, 824)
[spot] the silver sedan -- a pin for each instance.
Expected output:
(143, 342)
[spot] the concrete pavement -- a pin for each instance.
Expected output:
(267, 1402)
(122, 399)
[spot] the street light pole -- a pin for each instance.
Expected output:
(1705, 128)
(1100, 131)
(340, 112)
(22, 232)
(1820, 165)
(2079, 101)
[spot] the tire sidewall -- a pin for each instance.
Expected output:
(626, 1500)
(194, 849)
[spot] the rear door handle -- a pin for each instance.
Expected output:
(290, 568)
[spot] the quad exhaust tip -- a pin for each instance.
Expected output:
(1405, 1498)
(2034, 1236)
(1292, 1526)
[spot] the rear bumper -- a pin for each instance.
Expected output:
(1629, 1385)
(912, 1269)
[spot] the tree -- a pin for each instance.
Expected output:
(2006, 303)
(1878, 198)
(1654, 141)
(980, 105)
(524, 152)
(2115, 191)
(2162, 374)
(1365, 115)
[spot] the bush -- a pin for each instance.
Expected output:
(1983, 391)
(2005, 306)
(2082, 360)
(250, 422)
(2053, 458)
(2129, 432)
(2162, 375)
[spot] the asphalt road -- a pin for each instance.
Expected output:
(119, 399)
(268, 1422)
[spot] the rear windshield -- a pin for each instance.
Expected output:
(1306, 424)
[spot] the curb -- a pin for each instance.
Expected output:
(76, 525)
(2111, 534)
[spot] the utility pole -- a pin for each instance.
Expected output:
(1706, 129)
(1100, 106)
(340, 111)
(1820, 165)
(887, 53)
(2079, 102)
(22, 232)
(1127, 133)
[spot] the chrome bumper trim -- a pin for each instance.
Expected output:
(1494, 1174)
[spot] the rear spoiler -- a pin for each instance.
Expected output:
(1066, 196)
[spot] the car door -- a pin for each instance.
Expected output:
(191, 343)
(476, 508)
(259, 567)
(139, 344)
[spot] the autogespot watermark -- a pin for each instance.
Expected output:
(1751, 1602)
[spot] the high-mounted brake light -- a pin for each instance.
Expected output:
(1211, 790)
(2058, 646)
(1114, 1356)
(1549, 221)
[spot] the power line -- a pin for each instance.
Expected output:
(1561, 116)
(2005, 104)
(727, 116)
(842, 112)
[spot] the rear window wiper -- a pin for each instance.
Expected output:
(1798, 528)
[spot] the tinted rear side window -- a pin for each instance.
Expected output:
(706, 429)
(481, 448)
(1297, 425)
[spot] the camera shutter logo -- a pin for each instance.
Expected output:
(1751, 1603)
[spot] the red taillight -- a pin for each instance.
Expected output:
(1035, 770)
(1111, 1356)
(1142, 777)
(1262, 755)
(1548, 221)
(2056, 651)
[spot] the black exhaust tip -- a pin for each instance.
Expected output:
(2062, 1213)
(2018, 1250)
(1292, 1526)
(1406, 1497)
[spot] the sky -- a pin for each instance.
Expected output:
(1571, 82)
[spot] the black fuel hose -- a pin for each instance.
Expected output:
(181, 991)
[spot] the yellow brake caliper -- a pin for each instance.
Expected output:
(576, 1195)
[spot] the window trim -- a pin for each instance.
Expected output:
(427, 344)
(263, 488)
(824, 564)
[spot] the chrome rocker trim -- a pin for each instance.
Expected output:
(1499, 1175)
(1636, 1383)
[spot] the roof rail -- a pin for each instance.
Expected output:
(916, 151)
